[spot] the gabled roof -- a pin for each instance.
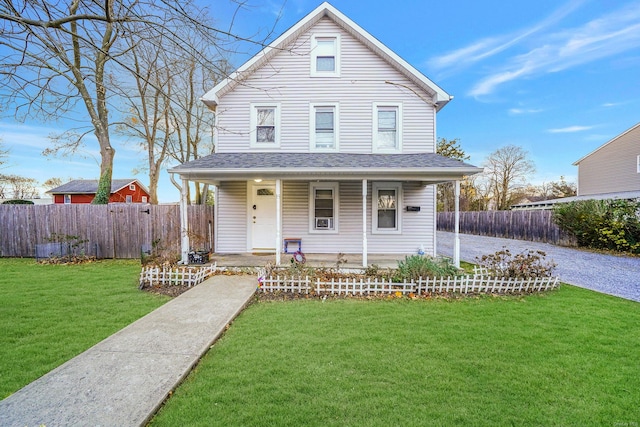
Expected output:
(90, 186)
(440, 97)
(612, 141)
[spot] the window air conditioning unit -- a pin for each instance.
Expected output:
(324, 223)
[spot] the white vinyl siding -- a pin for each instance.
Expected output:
(417, 227)
(365, 79)
(325, 55)
(324, 128)
(265, 125)
(232, 217)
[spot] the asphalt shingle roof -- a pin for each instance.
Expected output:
(320, 160)
(88, 186)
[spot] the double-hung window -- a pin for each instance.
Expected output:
(323, 207)
(325, 56)
(265, 125)
(324, 127)
(387, 127)
(638, 164)
(386, 207)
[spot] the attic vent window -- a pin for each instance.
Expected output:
(325, 56)
(132, 187)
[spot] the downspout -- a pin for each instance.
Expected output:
(184, 220)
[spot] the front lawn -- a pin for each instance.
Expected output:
(51, 313)
(568, 357)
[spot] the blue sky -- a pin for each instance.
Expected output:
(557, 78)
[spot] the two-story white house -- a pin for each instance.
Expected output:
(327, 136)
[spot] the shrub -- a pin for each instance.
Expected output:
(415, 266)
(17, 202)
(602, 224)
(525, 265)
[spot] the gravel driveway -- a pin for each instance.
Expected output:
(609, 274)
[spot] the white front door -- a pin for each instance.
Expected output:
(262, 217)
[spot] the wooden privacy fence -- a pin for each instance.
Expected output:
(534, 225)
(470, 284)
(110, 231)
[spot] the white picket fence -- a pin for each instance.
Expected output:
(179, 276)
(459, 284)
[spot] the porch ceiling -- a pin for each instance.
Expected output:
(426, 167)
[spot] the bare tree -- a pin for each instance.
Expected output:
(58, 55)
(506, 170)
(52, 183)
(18, 186)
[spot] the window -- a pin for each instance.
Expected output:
(638, 164)
(325, 56)
(323, 205)
(67, 199)
(324, 127)
(387, 130)
(386, 211)
(129, 198)
(265, 125)
(132, 187)
(144, 199)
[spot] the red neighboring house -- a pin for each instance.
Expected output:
(84, 190)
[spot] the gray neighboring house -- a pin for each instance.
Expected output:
(611, 171)
(328, 137)
(613, 167)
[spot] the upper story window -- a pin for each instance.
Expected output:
(387, 127)
(265, 125)
(323, 207)
(324, 127)
(132, 187)
(386, 207)
(325, 56)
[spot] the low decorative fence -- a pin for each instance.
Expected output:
(470, 284)
(177, 276)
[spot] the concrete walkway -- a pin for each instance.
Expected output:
(122, 380)
(608, 274)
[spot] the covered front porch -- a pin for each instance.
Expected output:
(377, 204)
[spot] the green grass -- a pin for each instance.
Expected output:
(569, 357)
(51, 313)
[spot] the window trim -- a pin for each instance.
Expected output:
(66, 199)
(144, 199)
(377, 106)
(377, 186)
(254, 124)
(314, 55)
(335, 187)
(312, 126)
(638, 164)
(132, 187)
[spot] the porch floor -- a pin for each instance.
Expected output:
(314, 260)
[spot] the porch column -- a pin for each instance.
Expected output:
(278, 221)
(184, 223)
(364, 223)
(456, 232)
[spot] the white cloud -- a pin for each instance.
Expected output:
(570, 129)
(609, 35)
(490, 46)
(519, 111)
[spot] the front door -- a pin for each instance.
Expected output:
(263, 217)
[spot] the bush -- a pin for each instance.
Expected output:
(525, 265)
(602, 224)
(17, 202)
(416, 266)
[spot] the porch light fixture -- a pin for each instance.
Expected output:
(257, 180)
